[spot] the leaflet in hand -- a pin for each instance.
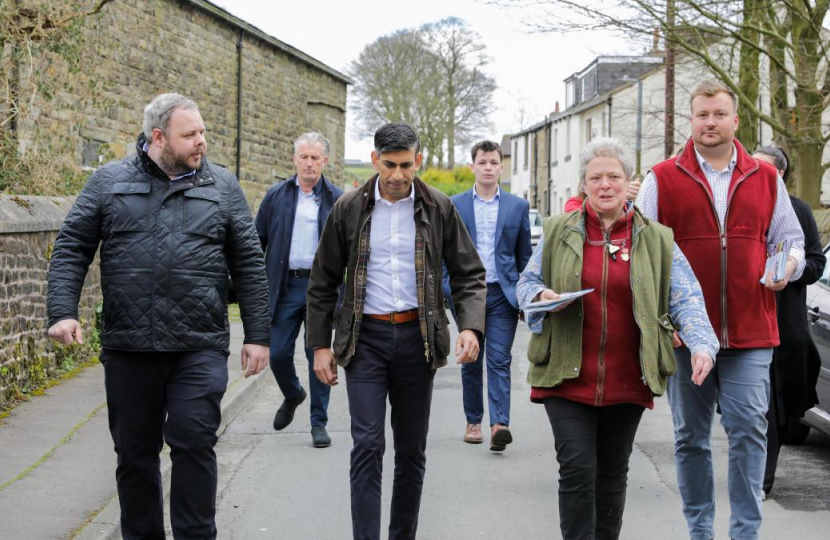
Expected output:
(549, 305)
(777, 263)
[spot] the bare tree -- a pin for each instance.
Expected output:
(788, 35)
(430, 77)
(469, 91)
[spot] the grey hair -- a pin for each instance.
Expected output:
(604, 147)
(157, 114)
(312, 138)
(776, 154)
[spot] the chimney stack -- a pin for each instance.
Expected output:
(556, 107)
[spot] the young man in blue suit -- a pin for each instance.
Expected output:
(289, 223)
(498, 224)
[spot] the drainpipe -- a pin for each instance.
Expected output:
(239, 104)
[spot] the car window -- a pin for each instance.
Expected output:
(825, 276)
(535, 220)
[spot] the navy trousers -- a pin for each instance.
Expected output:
(499, 331)
(285, 327)
(388, 361)
(173, 397)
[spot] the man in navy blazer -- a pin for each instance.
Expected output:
(498, 224)
(289, 223)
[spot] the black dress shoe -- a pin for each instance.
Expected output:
(319, 437)
(285, 414)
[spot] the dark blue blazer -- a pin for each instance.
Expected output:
(275, 224)
(512, 249)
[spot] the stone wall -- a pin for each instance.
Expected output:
(136, 49)
(28, 227)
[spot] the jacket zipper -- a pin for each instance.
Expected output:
(724, 338)
(604, 331)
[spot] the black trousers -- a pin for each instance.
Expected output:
(593, 445)
(388, 361)
(153, 397)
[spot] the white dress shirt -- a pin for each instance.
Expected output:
(390, 279)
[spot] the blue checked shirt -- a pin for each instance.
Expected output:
(686, 306)
(784, 224)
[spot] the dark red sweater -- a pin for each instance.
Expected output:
(610, 372)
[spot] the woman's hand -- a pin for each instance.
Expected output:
(549, 294)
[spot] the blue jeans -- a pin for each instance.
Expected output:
(285, 327)
(739, 382)
(499, 331)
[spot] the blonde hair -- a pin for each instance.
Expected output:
(710, 88)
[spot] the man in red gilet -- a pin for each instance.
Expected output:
(728, 211)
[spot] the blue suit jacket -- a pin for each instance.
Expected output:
(512, 244)
(275, 225)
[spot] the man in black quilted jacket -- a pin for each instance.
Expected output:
(171, 226)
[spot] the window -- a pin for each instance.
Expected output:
(515, 155)
(526, 152)
(604, 123)
(92, 153)
(588, 134)
(569, 94)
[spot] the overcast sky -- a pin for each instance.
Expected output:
(526, 66)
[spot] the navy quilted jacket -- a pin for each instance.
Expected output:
(166, 250)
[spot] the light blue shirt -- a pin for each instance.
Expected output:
(390, 272)
(487, 214)
(304, 235)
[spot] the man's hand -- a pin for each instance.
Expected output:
(466, 347)
(778, 285)
(67, 331)
(254, 358)
(549, 294)
(702, 364)
(325, 366)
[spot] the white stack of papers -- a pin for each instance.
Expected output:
(777, 264)
(550, 305)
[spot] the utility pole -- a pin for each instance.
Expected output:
(668, 149)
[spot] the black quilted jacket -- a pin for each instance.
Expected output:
(166, 250)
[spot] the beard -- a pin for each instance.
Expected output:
(175, 164)
(708, 142)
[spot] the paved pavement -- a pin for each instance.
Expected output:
(57, 471)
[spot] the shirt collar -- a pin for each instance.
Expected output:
(705, 164)
(476, 195)
(146, 147)
(378, 196)
(315, 191)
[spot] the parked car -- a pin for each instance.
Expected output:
(535, 227)
(818, 313)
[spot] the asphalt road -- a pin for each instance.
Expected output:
(274, 485)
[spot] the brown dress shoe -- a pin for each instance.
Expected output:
(500, 437)
(473, 434)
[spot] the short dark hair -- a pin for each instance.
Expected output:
(486, 146)
(782, 161)
(396, 136)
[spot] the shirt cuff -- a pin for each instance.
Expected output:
(798, 254)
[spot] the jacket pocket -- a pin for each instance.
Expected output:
(442, 335)
(538, 351)
(666, 362)
(201, 211)
(343, 333)
(129, 206)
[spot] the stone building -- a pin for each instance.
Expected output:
(256, 93)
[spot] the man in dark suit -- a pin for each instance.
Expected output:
(289, 223)
(498, 224)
